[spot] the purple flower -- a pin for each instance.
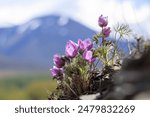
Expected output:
(71, 49)
(102, 21)
(86, 44)
(55, 72)
(106, 31)
(88, 56)
(58, 61)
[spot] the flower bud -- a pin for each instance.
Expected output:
(106, 31)
(102, 21)
(58, 61)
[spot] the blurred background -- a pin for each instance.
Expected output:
(32, 31)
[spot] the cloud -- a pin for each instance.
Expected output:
(84, 11)
(118, 11)
(19, 13)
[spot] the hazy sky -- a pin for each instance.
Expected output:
(134, 12)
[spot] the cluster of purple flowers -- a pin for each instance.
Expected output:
(83, 47)
(72, 50)
(103, 22)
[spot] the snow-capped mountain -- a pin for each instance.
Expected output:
(32, 45)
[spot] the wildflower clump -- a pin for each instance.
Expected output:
(87, 65)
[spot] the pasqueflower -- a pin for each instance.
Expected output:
(102, 21)
(86, 44)
(71, 49)
(58, 61)
(55, 72)
(88, 56)
(106, 31)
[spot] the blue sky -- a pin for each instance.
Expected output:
(134, 12)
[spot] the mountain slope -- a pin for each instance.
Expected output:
(32, 45)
